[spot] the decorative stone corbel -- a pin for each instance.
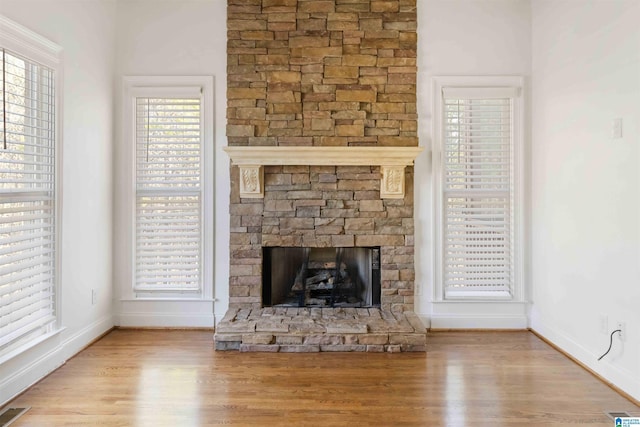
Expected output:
(392, 183)
(251, 181)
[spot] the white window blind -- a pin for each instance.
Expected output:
(27, 200)
(168, 220)
(478, 182)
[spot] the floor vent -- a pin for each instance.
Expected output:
(615, 414)
(9, 415)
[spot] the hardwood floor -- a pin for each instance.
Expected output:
(175, 378)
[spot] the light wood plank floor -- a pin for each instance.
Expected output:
(175, 378)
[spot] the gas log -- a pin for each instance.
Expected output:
(321, 277)
(323, 284)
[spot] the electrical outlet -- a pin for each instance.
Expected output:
(623, 331)
(94, 296)
(418, 289)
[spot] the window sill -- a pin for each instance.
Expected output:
(168, 298)
(479, 299)
(28, 346)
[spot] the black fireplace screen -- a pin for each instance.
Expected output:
(321, 277)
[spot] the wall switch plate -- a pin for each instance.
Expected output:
(616, 128)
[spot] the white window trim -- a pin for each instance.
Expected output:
(134, 86)
(20, 40)
(518, 294)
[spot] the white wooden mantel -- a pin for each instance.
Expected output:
(392, 162)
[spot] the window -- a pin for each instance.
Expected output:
(478, 146)
(168, 130)
(29, 219)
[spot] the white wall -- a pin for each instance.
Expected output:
(164, 38)
(189, 37)
(585, 185)
(462, 37)
(86, 31)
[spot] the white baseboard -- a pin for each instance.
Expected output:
(169, 313)
(479, 315)
(54, 355)
(475, 321)
(165, 320)
(616, 375)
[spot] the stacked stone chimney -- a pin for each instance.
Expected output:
(322, 73)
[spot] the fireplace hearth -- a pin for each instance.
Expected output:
(304, 330)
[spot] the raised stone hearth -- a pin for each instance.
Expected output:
(274, 329)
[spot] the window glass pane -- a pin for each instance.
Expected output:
(27, 200)
(478, 199)
(168, 194)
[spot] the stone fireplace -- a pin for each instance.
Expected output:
(322, 134)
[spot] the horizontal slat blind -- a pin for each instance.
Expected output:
(168, 194)
(27, 199)
(478, 181)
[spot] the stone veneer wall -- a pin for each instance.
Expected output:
(318, 73)
(322, 206)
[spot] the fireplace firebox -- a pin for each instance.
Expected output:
(321, 277)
